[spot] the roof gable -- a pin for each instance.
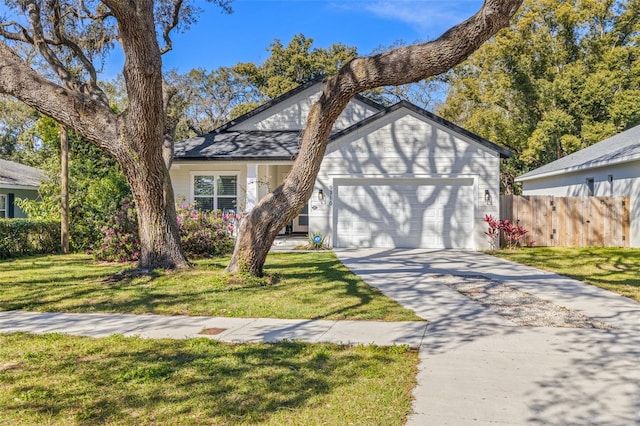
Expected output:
(428, 116)
(621, 148)
(18, 175)
(289, 111)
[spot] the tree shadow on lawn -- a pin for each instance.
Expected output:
(133, 381)
(347, 285)
(308, 280)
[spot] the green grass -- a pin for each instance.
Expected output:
(62, 380)
(614, 269)
(297, 285)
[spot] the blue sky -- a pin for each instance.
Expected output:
(218, 39)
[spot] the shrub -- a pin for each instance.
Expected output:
(21, 237)
(206, 233)
(317, 241)
(120, 241)
(202, 233)
(513, 234)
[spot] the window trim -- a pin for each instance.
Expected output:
(5, 207)
(215, 175)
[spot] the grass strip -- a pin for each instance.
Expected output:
(611, 268)
(55, 379)
(297, 285)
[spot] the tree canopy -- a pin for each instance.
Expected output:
(563, 76)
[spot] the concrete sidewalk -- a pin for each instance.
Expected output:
(233, 330)
(477, 368)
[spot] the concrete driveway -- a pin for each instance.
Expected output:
(478, 367)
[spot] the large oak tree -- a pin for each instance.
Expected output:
(398, 66)
(49, 52)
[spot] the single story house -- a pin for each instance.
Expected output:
(606, 169)
(395, 176)
(17, 181)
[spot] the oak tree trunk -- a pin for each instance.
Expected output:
(399, 66)
(134, 138)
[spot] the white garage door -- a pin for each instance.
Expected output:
(412, 213)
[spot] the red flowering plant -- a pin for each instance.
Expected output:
(120, 241)
(513, 234)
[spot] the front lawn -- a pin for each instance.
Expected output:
(297, 285)
(614, 269)
(60, 380)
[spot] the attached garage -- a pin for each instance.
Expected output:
(410, 213)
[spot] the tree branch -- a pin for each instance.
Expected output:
(93, 87)
(41, 44)
(68, 107)
(21, 35)
(175, 19)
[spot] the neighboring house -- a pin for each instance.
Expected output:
(608, 168)
(17, 181)
(391, 177)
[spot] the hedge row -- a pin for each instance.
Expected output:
(22, 237)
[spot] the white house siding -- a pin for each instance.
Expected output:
(405, 145)
(626, 182)
(291, 114)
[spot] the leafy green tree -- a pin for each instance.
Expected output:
(202, 101)
(288, 67)
(96, 186)
(17, 142)
(564, 75)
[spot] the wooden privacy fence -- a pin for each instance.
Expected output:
(569, 221)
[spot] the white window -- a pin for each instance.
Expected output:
(3, 206)
(215, 192)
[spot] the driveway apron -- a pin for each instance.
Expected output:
(478, 367)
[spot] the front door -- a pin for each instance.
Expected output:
(301, 222)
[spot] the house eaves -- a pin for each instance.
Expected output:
(18, 176)
(621, 148)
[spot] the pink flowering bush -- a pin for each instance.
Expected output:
(202, 233)
(120, 241)
(206, 233)
(513, 234)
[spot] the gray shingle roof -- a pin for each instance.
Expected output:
(222, 144)
(621, 148)
(16, 174)
(240, 145)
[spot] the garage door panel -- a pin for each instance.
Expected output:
(408, 213)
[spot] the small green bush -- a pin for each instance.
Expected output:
(23, 237)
